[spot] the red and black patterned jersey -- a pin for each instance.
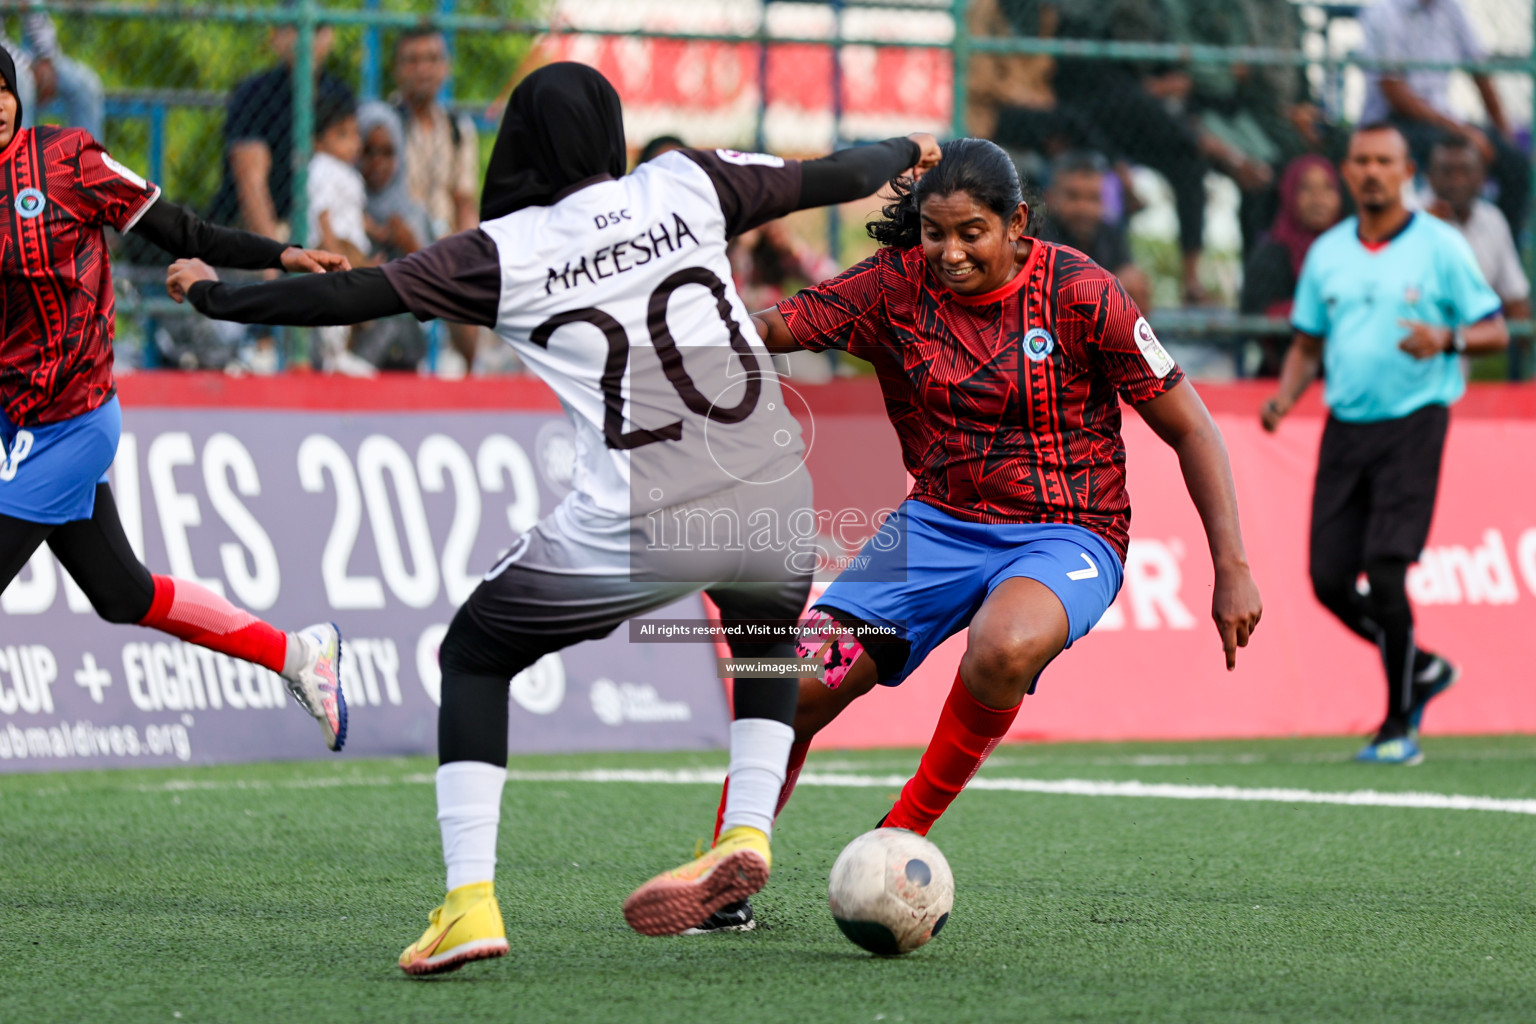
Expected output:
(1005, 403)
(58, 189)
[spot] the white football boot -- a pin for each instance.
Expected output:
(316, 683)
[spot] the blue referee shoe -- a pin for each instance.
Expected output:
(1440, 676)
(1403, 750)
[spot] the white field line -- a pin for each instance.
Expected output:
(1077, 787)
(1059, 787)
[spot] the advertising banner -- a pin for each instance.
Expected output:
(1153, 667)
(378, 505)
(382, 522)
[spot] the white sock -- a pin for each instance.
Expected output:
(759, 757)
(294, 656)
(469, 809)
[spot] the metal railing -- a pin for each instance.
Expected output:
(152, 104)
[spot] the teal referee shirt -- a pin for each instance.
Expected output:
(1352, 295)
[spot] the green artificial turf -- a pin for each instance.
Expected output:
(284, 893)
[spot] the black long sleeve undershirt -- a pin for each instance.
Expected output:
(303, 300)
(854, 173)
(355, 296)
(184, 235)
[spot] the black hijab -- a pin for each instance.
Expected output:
(563, 125)
(8, 72)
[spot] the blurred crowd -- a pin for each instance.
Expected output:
(1080, 125)
(392, 175)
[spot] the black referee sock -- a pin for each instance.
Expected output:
(1393, 616)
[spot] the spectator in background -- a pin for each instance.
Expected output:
(1134, 110)
(1074, 215)
(1418, 102)
(772, 263)
(1252, 120)
(1310, 203)
(1456, 183)
(257, 188)
(442, 152)
(336, 193)
(49, 82)
(335, 198)
(397, 225)
(659, 145)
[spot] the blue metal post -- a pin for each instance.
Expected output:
(157, 115)
(960, 58)
(834, 221)
(1521, 348)
(303, 137)
(446, 7)
(373, 61)
(760, 137)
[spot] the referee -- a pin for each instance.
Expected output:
(1387, 302)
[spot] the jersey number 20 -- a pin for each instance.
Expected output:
(671, 360)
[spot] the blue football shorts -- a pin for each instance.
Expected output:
(49, 473)
(926, 573)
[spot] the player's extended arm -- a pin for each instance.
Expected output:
(1182, 421)
(183, 234)
(857, 172)
(312, 300)
(1302, 361)
(774, 331)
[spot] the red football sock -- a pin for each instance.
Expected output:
(797, 752)
(966, 733)
(198, 615)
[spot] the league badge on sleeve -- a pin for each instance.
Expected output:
(732, 156)
(1152, 350)
(123, 172)
(30, 203)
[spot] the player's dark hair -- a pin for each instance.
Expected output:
(979, 168)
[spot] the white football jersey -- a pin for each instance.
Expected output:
(619, 296)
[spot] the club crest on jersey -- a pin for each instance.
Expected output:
(1038, 344)
(1411, 295)
(30, 203)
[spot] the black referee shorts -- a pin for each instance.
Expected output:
(1375, 490)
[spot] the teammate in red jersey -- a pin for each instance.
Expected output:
(59, 416)
(1002, 360)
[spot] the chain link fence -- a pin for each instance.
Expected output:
(1157, 133)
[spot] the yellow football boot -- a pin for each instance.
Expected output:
(466, 927)
(677, 900)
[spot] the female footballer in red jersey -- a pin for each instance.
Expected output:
(1000, 358)
(59, 417)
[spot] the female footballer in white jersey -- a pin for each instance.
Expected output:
(616, 290)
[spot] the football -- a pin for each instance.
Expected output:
(890, 891)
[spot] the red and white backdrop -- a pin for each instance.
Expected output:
(710, 93)
(377, 504)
